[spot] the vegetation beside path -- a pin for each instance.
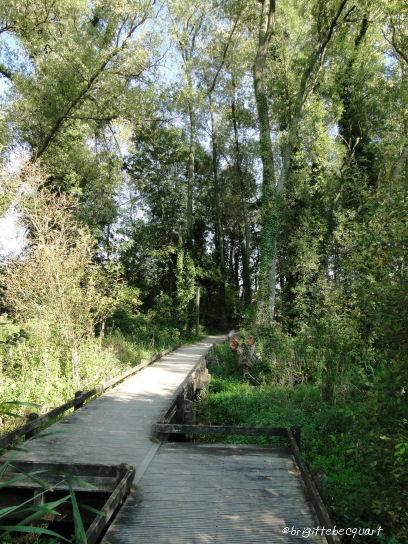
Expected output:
(37, 371)
(357, 441)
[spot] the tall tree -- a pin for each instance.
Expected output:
(267, 266)
(272, 191)
(246, 248)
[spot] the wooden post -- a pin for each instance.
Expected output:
(31, 417)
(189, 412)
(80, 404)
(320, 480)
(180, 407)
(180, 412)
(197, 327)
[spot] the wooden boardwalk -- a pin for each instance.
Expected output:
(184, 492)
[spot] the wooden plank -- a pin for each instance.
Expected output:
(228, 430)
(89, 486)
(117, 379)
(63, 469)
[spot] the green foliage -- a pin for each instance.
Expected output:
(153, 190)
(150, 330)
(37, 368)
(355, 442)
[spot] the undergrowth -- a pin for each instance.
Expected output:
(358, 441)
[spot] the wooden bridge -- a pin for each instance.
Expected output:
(183, 492)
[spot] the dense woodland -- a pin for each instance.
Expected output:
(249, 154)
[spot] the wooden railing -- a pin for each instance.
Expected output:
(229, 430)
(35, 421)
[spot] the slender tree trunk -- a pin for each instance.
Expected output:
(246, 253)
(231, 257)
(191, 173)
(269, 198)
(236, 267)
(218, 220)
(180, 280)
(399, 166)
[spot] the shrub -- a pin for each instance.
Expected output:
(56, 282)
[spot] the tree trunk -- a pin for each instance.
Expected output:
(246, 253)
(180, 280)
(191, 174)
(231, 257)
(236, 267)
(218, 222)
(399, 166)
(269, 198)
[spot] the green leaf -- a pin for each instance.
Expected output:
(42, 509)
(18, 478)
(21, 403)
(32, 476)
(80, 481)
(6, 465)
(93, 510)
(11, 414)
(7, 529)
(80, 533)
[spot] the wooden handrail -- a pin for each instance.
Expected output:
(228, 430)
